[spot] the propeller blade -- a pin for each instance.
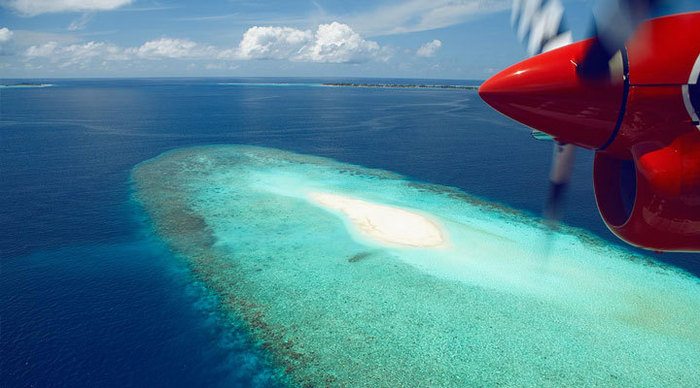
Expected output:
(559, 177)
(614, 23)
(540, 25)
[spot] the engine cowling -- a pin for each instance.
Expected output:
(652, 200)
(643, 123)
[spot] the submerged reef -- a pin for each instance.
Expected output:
(352, 276)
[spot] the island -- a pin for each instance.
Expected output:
(355, 276)
(25, 85)
(384, 224)
(401, 86)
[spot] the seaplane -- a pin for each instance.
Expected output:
(630, 94)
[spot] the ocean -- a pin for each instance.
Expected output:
(92, 296)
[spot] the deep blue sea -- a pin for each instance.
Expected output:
(91, 297)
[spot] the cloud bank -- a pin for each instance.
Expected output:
(76, 54)
(36, 7)
(331, 43)
(84, 53)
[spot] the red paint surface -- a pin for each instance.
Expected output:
(664, 50)
(666, 212)
(655, 131)
(546, 93)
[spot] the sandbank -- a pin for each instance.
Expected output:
(385, 224)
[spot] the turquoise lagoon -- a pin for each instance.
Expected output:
(500, 300)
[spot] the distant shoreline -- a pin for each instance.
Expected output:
(25, 85)
(400, 86)
(22, 85)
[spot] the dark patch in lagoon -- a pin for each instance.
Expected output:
(361, 256)
(387, 323)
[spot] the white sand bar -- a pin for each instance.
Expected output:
(385, 224)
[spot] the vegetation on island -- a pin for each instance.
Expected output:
(402, 86)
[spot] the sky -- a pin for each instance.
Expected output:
(448, 39)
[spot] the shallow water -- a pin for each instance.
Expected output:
(503, 302)
(91, 295)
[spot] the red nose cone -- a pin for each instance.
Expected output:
(546, 93)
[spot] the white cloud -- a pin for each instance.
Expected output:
(169, 48)
(422, 15)
(331, 43)
(96, 50)
(429, 49)
(5, 35)
(39, 51)
(6, 42)
(273, 42)
(338, 43)
(5, 38)
(85, 53)
(80, 23)
(77, 54)
(36, 7)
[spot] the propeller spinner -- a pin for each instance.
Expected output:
(575, 94)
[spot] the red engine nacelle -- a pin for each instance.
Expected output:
(642, 123)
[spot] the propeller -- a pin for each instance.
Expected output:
(541, 26)
(614, 23)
